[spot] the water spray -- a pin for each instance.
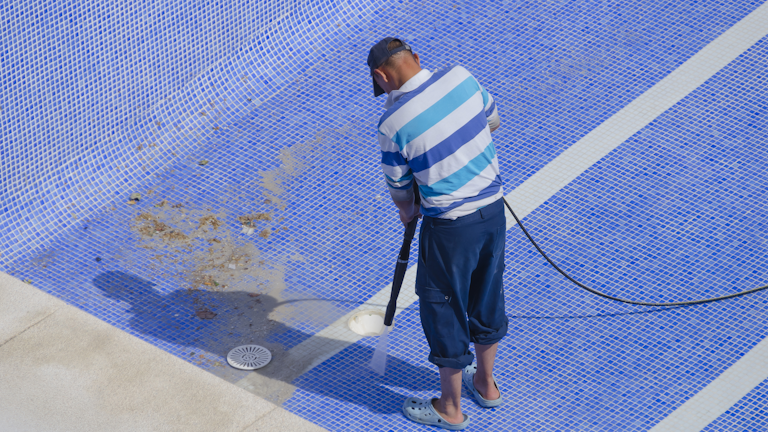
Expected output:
(379, 360)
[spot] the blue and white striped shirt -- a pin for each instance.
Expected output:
(435, 130)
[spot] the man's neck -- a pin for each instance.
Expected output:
(407, 75)
(410, 84)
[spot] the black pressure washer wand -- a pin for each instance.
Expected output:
(402, 261)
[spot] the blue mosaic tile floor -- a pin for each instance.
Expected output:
(264, 113)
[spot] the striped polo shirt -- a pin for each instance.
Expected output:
(435, 131)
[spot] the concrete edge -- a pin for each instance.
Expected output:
(88, 375)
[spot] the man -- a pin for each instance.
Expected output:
(436, 132)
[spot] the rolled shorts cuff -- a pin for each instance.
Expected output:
(492, 337)
(455, 363)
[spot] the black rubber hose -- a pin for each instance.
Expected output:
(593, 291)
(402, 262)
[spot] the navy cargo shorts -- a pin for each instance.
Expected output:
(459, 284)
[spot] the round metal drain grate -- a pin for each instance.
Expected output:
(249, 357)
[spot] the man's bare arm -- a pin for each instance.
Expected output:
(408, 210)
(494, 121)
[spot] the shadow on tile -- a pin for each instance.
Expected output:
(208, 324)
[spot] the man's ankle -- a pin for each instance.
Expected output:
(483, 380)
(448, 411)
(486, 387)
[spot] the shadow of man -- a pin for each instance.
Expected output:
(202, 322)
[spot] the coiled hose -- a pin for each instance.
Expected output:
(609, 297)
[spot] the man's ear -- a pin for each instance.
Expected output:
(382, 76)
(418, 60)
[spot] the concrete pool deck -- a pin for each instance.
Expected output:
(64, 370)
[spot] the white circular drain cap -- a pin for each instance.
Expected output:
(249, 357)
(367, 323)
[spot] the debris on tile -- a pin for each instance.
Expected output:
(250, 219)
(209, 220)
(98, 259)
(203, 162)
(265, 233)
(208, 280)
(149, 225)
(204, 314)
(175, 235)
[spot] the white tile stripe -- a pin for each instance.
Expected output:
(642, 111)
(570, 164)
(721, 394)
